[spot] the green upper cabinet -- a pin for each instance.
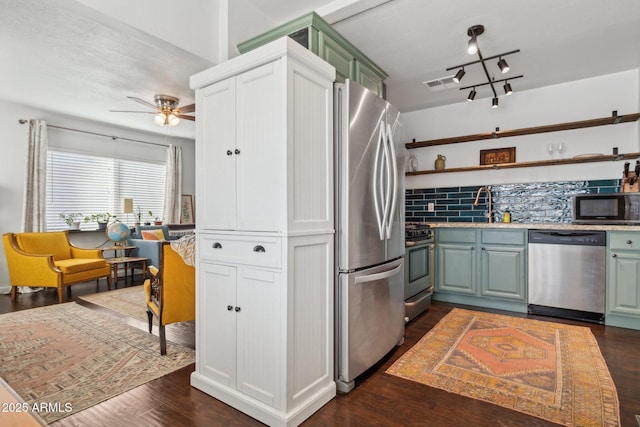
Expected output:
(318, 36)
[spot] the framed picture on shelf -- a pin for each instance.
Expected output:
(498, 155)
(186, 209)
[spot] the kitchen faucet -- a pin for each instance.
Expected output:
(489, 212)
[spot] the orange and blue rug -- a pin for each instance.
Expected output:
(547, 370)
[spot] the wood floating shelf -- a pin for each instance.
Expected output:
(573, 160)
(614, 119)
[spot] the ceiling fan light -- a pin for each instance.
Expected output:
(459, 75)
(504, 67)
(472, 47)
(172, 120)
(472, 95)
(159, 119)
(494, 103)
(507, 89)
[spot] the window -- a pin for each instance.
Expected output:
(91, 184)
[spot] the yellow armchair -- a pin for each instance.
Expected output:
(49, 260)
(170, 292)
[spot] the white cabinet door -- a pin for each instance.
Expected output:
(259, 335)
(242, 150)
(215, 156)
(217, 306)
(261, 148)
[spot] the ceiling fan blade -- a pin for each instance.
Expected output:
(187, 108)
(126, 111)
(143, 102)
(182, 116)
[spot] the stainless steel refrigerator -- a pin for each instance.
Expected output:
(370, 241)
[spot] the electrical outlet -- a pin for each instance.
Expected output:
(431, 207)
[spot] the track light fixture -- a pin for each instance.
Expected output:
(472, 48)
(472, 95)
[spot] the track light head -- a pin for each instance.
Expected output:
(504, 67)
(459, 75)
(472, 47)
(474, 32)
(494, 103)
(472, 95)
(507, 89)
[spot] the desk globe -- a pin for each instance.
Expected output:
(118, 232)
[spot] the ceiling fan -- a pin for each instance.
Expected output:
(166, 109)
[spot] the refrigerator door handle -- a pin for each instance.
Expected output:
(393, 174)
(376, 186)
(388, 183)
(379, 276)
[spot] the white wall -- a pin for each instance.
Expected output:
(575, 101)
(13, 146)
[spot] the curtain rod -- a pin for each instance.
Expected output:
(23, 121)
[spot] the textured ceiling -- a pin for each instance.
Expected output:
(62, 56)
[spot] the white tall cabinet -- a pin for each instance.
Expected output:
(264, 218)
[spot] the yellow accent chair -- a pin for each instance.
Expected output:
(49, 260)
(170, 291)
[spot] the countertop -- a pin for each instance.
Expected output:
(532, 226)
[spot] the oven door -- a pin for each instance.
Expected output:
(418, 269)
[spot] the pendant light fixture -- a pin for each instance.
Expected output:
(472, 48)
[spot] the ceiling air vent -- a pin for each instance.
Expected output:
(442, 83)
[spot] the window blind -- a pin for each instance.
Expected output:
(89, 184)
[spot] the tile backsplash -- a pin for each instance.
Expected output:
(539, 202)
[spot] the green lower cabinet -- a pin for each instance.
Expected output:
(623, 280)
(483, 267)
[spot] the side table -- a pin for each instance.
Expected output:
(126, 262)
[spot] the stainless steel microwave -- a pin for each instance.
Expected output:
(611, 208)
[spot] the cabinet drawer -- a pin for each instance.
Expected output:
(248, 250)
(624, 240)
(456, 235)
(502, 237)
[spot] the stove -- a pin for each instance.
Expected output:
(418, 278)
(416, 232)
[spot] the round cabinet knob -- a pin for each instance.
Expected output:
(216, 245)
(229, 152)
(629, 242)
(614, 255)
(473, 248)
(237, 309)
(259, 248)
(484, 249)
(237, 151)
(229, 307)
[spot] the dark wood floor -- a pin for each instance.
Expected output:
(378, 400)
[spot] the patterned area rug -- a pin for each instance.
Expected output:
(548, 370)
(64, 358)
(128, 301)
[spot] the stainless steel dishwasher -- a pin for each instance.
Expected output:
(567, 274)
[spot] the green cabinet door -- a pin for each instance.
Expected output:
(456, 268)
(623, 287)
(338, 56)
(623, 294)
(503, 272)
